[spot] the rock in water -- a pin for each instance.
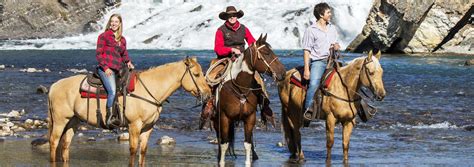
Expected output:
(469, 128)
(39, 142)
(469, 62)
(41, 89)
(166, 140)
(124, 137)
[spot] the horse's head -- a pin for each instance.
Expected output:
(194, 81)
(263, 60)
(371, 75)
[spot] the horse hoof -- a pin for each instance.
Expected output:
(248, 163)
(293, 160)
(222, 164)
(254, 158)
(301, 161)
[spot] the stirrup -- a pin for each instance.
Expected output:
(112, 122)
(308, 114)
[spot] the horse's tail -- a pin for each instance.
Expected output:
(284, 85)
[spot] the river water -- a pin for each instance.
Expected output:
(426, 118)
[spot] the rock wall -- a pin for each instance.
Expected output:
(24, 19)
(413, 26)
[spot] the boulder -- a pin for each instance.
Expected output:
(469, 62)
(416, 26)
(41, 90)
(14, 113)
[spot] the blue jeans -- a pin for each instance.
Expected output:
(109, 84)
(317, 69)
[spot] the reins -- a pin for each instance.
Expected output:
(157, 102)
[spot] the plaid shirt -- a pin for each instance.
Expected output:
(109, 53)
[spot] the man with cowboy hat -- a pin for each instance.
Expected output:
(230, 42)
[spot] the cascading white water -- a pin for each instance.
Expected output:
(170, 24)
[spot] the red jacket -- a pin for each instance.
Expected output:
(110, 53)
(219, 47)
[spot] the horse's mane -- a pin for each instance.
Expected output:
(159, 67)
(359, 59)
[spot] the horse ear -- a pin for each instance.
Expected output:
(259, 39)
(264, 38)
(369, 57)
(187, 61)
(378, 55)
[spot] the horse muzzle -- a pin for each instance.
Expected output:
(380, 96)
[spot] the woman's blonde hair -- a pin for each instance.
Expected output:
(118, 33)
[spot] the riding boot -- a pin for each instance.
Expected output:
(207, 112)
(112, 120)
(266, 112)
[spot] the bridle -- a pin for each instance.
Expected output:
(253, 59)
(259, 57)
(188, 70)
(366, 70)
(372, 87)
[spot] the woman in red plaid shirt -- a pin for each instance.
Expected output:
(112, 54)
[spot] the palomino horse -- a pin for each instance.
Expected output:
(67, 108)
(237, 98)
(338, 106)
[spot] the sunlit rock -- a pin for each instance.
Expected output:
(123, 137)
(41, 90)
(166, 140)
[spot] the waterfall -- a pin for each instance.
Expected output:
(191, 24)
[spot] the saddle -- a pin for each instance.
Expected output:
(299, 81)
(91, 85)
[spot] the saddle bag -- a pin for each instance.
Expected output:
(366, 111)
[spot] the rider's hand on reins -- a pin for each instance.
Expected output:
(130, 65)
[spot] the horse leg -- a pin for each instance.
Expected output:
(144, 145)
(346, 135)
(299, 150)
(288, 129)
(56, 131)
(134, 129)
(330, 124)
(223, 137)
(67, 138)
(248, 129)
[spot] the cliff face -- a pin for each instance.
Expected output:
(418, 27)
(22, 19)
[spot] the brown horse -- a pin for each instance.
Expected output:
(237, 98)
(340, 106)
(67, 108)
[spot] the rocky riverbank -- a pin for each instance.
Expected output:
(28, 19)
(431, 26)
